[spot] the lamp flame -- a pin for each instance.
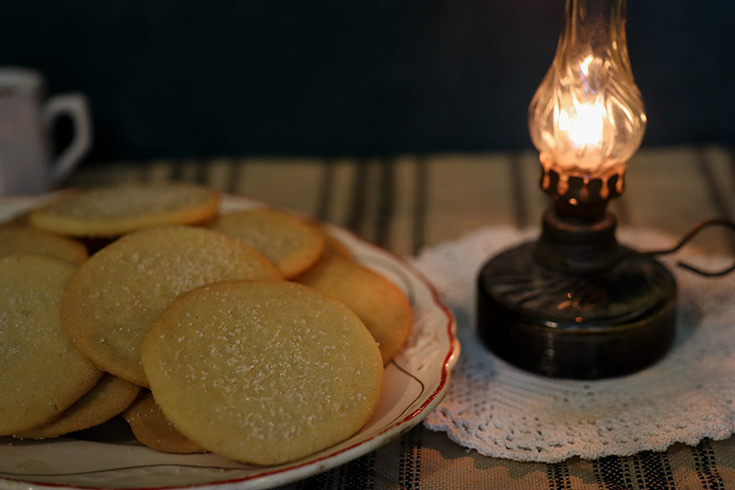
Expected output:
(582, 124)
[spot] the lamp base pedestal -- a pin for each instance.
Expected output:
(598, 323)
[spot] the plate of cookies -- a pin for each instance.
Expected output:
(169, 336)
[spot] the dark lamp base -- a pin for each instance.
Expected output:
(591, 325)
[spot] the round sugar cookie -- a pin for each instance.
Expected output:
(262, 372)
(16, 241)
(108, 398)
(153, 429)
(41, 373)
(115, 295)
(379, 303)
(289, 243)
(113, 211)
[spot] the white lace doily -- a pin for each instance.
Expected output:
(504, 412)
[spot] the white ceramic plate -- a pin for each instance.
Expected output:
(414, 384)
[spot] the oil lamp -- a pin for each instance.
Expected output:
(575, 303)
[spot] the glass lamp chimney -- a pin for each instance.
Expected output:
(587, 117)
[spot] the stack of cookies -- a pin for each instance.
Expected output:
(254, 335)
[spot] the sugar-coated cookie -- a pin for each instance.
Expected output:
(115, 295)
(113, 211)
(41, 373)
(153, 429)
(379, 303)
(262, 372)
(289, 243)
(108, 398)
(15, 241)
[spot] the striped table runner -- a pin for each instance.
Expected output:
(405, 203)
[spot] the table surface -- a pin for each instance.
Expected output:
(406, 203)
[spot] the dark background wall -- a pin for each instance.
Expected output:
(331, 77)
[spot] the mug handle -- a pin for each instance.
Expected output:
(76, 107)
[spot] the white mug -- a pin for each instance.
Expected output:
(26, 128)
